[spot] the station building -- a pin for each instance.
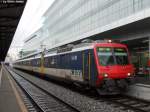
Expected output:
(69, 21)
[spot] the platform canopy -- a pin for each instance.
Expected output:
(10, 14)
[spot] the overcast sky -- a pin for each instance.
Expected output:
(30, 21)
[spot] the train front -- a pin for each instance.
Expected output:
(114, 68)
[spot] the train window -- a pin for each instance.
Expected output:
(121, 56)
(63, 61)
(30, 62)
(105, 56)
(53, 61)
(112, 56)
(39, 62)
(74, 58)
(34, 62)
(49, 61)
(46, 62)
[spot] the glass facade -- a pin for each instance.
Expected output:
(34, 42)
(70, 20)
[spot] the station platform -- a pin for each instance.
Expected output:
(10, 100)
(141, 88)
(143, 80)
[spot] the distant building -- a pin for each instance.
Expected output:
(32, 44)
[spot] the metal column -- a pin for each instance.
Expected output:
(149, 55)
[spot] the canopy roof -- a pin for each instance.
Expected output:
(10, 14)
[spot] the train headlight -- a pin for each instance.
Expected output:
(105, 75)
(129, 74)
(109, 41)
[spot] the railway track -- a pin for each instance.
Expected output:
(123, 103)
(130, 103)
(44, 101)
(30, 105)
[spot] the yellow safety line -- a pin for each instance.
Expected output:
(19, 100)
(89, 67)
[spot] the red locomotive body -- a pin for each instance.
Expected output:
(113, 66)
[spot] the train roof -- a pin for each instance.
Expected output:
(71, 48)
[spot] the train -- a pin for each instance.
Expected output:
(102, 65)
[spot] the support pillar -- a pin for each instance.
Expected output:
(149, 56)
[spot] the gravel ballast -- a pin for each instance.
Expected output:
(81, 102)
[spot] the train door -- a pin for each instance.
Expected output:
(85, 66)
(89, 67)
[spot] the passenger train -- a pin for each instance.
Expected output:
(102, 65)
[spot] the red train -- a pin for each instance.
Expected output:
(103, 65)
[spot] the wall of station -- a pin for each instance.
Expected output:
(70, 20)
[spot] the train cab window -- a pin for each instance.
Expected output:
(112, 56)
(105, 56)
(121, 56)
